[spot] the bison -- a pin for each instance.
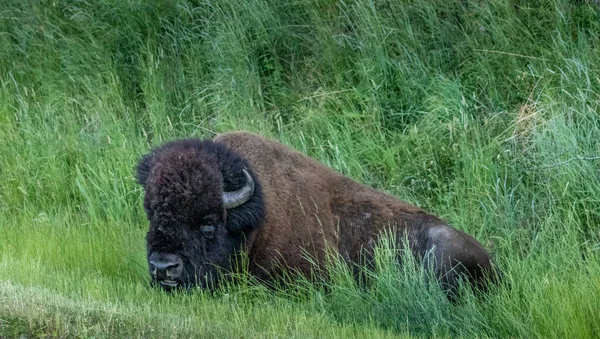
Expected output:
(209, 200)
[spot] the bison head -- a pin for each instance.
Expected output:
(201, 201)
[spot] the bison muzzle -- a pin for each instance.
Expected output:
(208, 201)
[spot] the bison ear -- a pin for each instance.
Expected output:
(143, 169)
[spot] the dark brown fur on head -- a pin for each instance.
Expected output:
(184, 183)
(298, 206)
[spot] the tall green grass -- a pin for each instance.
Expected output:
(485, 113)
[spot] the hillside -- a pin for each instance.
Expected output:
(482, 112)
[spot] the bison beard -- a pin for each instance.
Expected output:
(209, 200)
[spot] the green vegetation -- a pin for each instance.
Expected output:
(483, 112)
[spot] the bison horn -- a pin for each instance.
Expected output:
(236, 198)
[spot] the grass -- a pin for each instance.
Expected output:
(485, 113)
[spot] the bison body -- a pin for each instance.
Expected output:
(208, 200)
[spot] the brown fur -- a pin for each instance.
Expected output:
(309, 205)
(299, 207)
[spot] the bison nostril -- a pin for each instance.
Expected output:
(165, 266)
(172, 271)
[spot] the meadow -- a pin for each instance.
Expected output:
(482, 112)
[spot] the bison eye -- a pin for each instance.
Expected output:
(208, 231)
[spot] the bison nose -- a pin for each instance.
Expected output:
(165, 266)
